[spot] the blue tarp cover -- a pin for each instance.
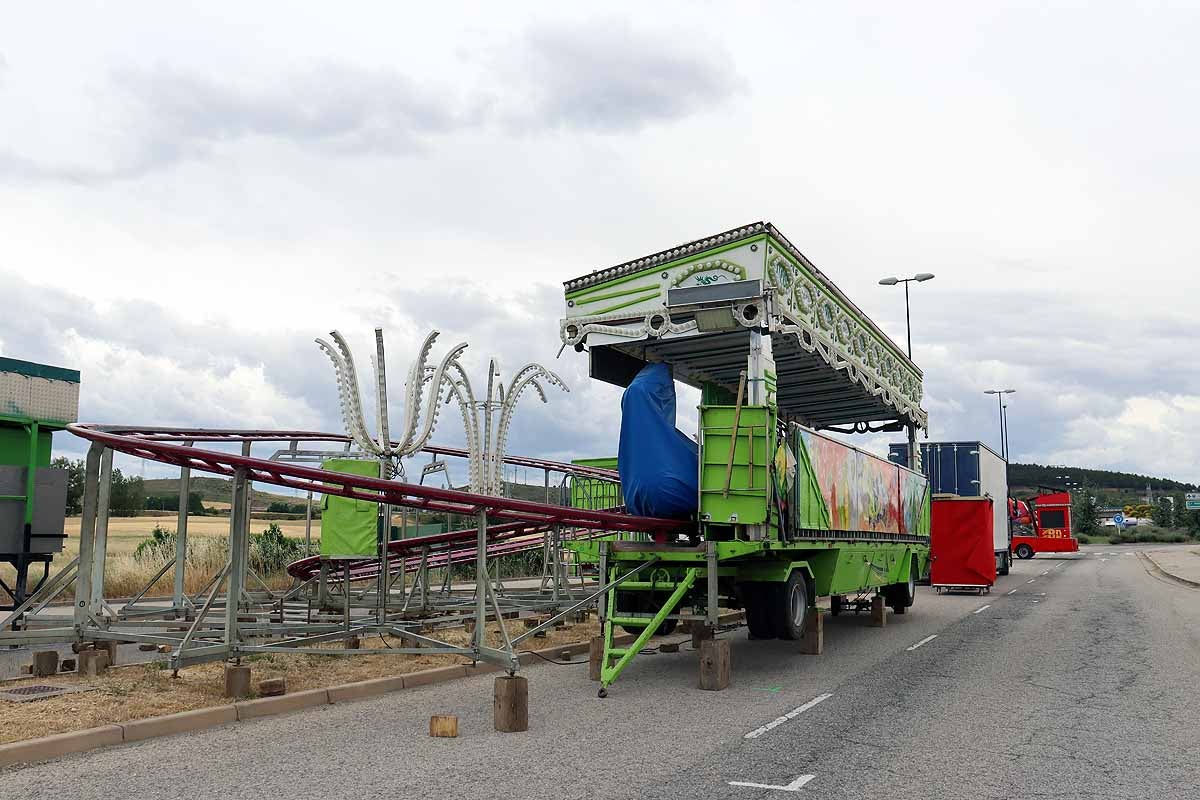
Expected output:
(658, 463)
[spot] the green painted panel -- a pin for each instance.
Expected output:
(746, 503)
(14, 446)
(349, 527)
(33, 370)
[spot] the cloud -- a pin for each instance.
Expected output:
(606, 76)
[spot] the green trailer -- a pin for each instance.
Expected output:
(786, 513)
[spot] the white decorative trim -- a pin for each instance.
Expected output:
(596, 324)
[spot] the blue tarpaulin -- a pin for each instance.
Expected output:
(658, 463)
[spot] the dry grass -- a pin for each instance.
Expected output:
(141, 691)
(124, 576)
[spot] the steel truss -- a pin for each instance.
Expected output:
(235, 614)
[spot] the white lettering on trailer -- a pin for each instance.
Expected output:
(775, 723)
(794, 786)
(982, 608)
(926, 640)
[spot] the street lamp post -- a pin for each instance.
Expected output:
(920, 277)
(1003, 427)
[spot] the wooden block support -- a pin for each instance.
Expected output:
(443, 726)
(595, 656)
(146, 647)
(107, 646)
(878, 611)
(813, 641)
(469, 626)
(511, 696)
(714, 664)
(564, 655)
(93, 663)
(272, 687)
(237, 681)
(45, 662)
(79, 647)
(700, 633)
(353, 643)
(67, 665)
(669, 647)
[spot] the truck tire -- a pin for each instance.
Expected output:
(789, 606)
(1024, 551)
(902, 595)
(758, 618)
(1005, 562)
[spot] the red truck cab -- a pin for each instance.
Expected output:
(1049, 515)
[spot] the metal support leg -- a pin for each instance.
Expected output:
(87, 535)
(481, 583)
(711, 613)
(100, 544)
(185, 488)
(238, 524)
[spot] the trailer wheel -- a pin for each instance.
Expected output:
(643, 603)
(758, 618)
(1024, 551)
(1005, 563)
(789, 606)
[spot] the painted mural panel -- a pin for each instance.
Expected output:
(860, 492)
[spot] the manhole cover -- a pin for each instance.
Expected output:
(40, 691)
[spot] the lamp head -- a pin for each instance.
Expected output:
(888, 281)
(923, 276)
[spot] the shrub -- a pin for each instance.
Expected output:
(271, 551)
(1083, 539)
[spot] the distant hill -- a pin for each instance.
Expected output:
(1024, 479)
(212, 490)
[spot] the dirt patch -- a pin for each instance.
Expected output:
(149, 690)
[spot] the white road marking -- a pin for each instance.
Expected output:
(1031, 581)
(1037, 601)
(926, 640)
(982, 608)
(1014, 591)
(794, 786)
(1104, 559)
(1047, 572)
(775, 723)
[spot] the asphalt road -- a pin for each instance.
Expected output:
(1076, 678)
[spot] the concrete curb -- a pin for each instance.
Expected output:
(61, 744)
(1167, 573)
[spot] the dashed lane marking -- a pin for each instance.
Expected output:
(1014, 591)
(982, 608)
(926, 640)
(794, 786)
(775, 723)
(1047, 572)
(1031, 580)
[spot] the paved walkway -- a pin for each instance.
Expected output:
(1180, 562)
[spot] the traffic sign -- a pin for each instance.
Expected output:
(1118, 519)
(1191, 501)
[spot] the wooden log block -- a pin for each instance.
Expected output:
(444, 726)
(237, 681)
(812, 643)
(95, 663)
(564, 655)
(469, 627)
(163, 648)
(45, 662)
(272, 687)
(79, 647)
(714, 664)
(146, 647)
(878, 611)
(669, 647)
(595, 657)
(353, 643)
(107, 646)
(511, 707)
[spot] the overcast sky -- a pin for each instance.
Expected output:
(190, 193)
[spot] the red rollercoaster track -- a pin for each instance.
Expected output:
(521, 527)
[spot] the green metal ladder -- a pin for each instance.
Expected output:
(609, 670)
